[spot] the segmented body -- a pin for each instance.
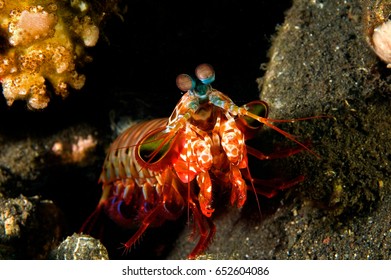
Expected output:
(129, 190)
(157, 169)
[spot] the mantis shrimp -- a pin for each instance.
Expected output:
(156, 169)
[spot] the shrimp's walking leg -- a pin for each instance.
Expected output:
(206, 228)
(270, 187)
(150, 218)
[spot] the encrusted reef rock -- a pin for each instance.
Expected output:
(37, 193)
(29, 227)
(42, 43)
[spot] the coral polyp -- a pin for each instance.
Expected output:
(43, 42)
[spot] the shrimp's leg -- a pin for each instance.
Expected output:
(270, 187)
(274, 155)
(206, 228)
(89, 224)
(149, 219)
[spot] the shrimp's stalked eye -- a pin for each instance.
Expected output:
(201, 87)
(205, 73)
(184, 82)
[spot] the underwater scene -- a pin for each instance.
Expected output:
(206, 130)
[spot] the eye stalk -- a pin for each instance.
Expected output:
(205, 74)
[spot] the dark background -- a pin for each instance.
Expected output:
(139, 56)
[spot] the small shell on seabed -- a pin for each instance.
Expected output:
(80, 247)
(378, 27)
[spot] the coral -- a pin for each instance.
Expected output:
(43, 42)
(378, 27)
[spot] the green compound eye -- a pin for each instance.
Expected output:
(185, 83)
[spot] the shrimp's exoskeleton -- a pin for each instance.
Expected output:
(157, 169)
